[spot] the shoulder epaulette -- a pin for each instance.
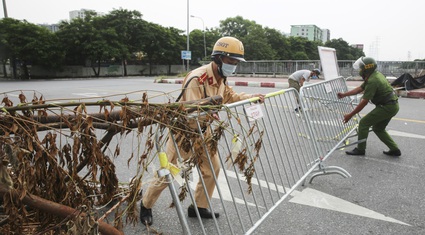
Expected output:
(202, 78)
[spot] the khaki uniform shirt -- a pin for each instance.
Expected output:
(204, 85)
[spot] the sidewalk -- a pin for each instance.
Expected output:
(282, 82)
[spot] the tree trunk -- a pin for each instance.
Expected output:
(4, 68)
(96, 69)
(14, 72)
(124, 64)
(26, 74)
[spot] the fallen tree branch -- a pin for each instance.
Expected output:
(57, 209)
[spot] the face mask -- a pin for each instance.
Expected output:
(228, 69)
(314, 77)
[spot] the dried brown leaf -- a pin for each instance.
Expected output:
(22, 98)
(106, 114)
(117, 151)
(7, 102)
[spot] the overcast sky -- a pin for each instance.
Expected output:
(389, 30)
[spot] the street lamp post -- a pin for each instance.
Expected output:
(4, 9)
(203, 31)
(187, 32)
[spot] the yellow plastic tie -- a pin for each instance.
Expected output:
(163, 162)
(235, 139)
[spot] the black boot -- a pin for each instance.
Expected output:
(203, 212)
(356, 151)
(394, 153)
(145, 215)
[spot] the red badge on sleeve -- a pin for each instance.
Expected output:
(202, 78)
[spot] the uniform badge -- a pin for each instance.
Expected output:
(210, 80)
(202, 78)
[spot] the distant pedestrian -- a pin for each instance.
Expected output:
(297, 79)
(377, 90)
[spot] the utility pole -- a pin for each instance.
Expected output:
(187, 38)
(4, 9)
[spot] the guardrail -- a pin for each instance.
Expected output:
(287, 67)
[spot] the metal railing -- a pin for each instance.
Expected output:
(287, 67)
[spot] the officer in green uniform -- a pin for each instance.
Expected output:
(378, 91)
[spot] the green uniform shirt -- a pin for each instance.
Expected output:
(377, 89)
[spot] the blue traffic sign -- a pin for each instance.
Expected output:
(186, 55)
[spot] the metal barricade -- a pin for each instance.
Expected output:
(325, 113)
(265, 152)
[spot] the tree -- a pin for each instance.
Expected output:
(211, 36)
(300, 55)
(252, 35)
(343, 50)
(123, 35)
(164, 45)
(5, 52)
(257, 46)
(130, 29)
(90, 40)
(197, 45)
(310, 48)
(173, 44)
(297, 45)
(236, 26)
(28, 44)
(279, 43)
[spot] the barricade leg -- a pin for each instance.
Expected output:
(167, 170)
(328, 170)
(182, 217)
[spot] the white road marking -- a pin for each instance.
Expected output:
(314, 198)
(224, 188)
(405, 134)
(307, 197)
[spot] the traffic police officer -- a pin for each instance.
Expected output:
(206, 81)
(376, 89)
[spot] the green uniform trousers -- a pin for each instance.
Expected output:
(378, 119)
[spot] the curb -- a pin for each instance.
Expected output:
(259, 84)
(171, 81)
(236, 83)
(412, 94)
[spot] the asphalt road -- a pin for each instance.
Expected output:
(385, 195)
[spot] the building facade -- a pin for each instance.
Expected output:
(326, 35)
(311, 32)
(82, 13)
(52, 27)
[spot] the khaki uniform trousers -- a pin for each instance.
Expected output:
(294, 84)
(157, 186)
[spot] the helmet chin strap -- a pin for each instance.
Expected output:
(219, 63)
